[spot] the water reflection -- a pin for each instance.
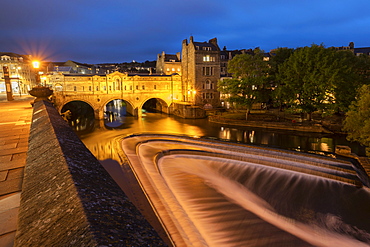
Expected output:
(101, 139)
(114, 114)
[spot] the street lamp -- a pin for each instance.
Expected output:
(19, 81)
(40, 92)
(36, 66)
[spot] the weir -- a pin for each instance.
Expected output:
(221, 194)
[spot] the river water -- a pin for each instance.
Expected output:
(101, 137)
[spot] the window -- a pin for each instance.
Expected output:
(137, 87)
(208, 71)
(208, 58)
(125, 87)
(110, 88)
(97, 88)
(155, 86)
(207, 48)
(208, 85)
(105, 88)
(90, 88)
(74, 88)
(143, 87)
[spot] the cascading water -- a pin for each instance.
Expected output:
(208, 193)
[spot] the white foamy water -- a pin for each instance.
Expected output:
(216, 194)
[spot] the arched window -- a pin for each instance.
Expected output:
(208, 84)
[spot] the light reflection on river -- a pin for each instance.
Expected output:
(102, 139)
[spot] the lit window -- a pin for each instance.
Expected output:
(208, 58)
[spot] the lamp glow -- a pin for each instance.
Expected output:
(36, 64)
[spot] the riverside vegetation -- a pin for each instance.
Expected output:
(308, 86)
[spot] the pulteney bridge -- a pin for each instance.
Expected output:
(134, 90)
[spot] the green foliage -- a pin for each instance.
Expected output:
(352, 75)
(357, 122)
(318, 78)
(249, 79)
(280, 55)
(308, 77)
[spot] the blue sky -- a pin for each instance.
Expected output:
(97, 31)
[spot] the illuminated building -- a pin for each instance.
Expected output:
(20, 71)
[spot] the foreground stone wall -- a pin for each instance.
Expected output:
(68, 198)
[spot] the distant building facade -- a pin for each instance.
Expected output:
(168, 64)
(21, 72)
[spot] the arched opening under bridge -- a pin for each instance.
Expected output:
(155, 105)
(80, 115)
(115, 112)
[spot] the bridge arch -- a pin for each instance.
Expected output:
(60, 108)
(129, 106)
(78, 113)
(155, 104)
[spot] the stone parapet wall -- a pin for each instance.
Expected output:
(68, 198)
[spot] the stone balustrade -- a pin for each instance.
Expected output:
(68, 198)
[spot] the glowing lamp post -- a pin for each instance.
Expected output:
(40, 92)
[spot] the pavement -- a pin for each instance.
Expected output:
(15, 121)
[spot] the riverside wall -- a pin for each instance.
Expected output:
(271, 125)
(68, 198)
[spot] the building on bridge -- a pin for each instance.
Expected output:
(135, 90)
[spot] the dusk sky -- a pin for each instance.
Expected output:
(97, 31)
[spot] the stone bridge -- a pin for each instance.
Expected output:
(172, 97)
(98, 90)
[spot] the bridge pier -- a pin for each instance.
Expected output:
(98, 114)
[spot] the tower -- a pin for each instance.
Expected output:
(201, 72)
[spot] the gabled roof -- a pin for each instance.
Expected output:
(171, 58)
(62, 68)
(12, 54)
(206, 44)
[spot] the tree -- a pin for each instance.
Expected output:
(248, 80)
(308, 77)
(280, 55)
(352, 74)
(357, 122)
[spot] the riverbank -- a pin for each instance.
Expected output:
(281, 121)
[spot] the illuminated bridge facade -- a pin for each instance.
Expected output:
(98, 90)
